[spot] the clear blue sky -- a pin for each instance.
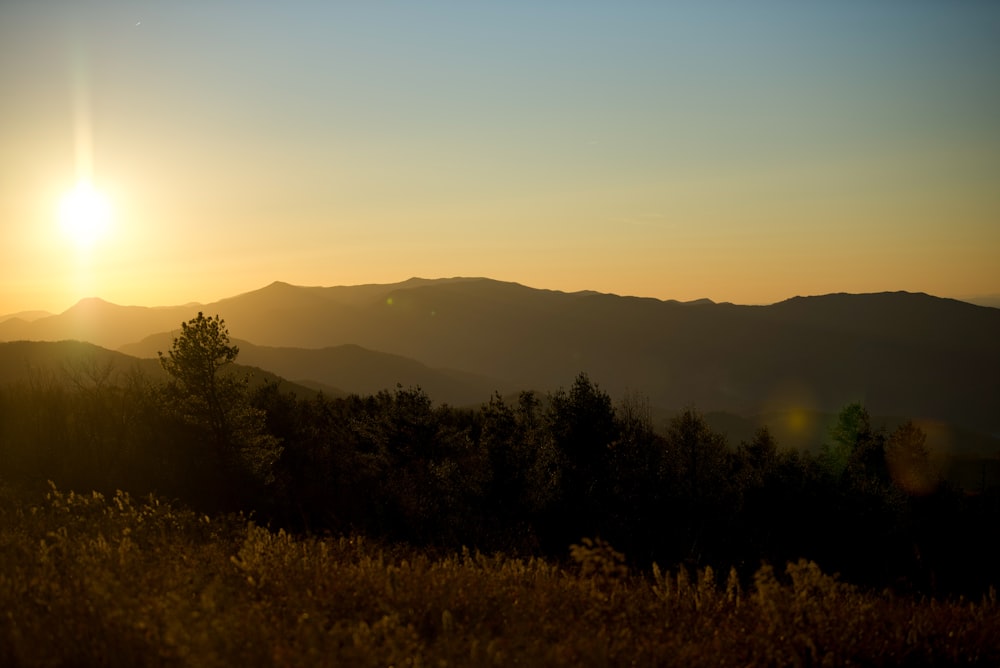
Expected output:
(738, 151)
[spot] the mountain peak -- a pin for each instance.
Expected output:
(89, 304)
(273, 288)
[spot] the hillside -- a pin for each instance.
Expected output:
(26, 316)
(347, 368)
(97, 321)
(76, 363)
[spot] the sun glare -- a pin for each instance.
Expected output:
(84, 214)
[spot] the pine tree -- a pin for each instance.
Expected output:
(209, 397)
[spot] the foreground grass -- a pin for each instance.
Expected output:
(87, 580)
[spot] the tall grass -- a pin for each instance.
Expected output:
(119, 581)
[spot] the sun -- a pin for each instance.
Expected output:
(84, 214)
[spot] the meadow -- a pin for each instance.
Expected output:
(95, 580)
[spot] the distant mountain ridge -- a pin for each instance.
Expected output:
(901, 353)
(99, 322)
(26, 316)
(992, 301)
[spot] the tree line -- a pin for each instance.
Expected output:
(527, 475)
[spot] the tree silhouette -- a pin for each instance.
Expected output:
(696, 456)
(583, 428)
(696, 472)
(218, 402)
(194, 362)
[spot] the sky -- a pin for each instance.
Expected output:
(743, 152)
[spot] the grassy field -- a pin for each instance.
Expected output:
(89, 580)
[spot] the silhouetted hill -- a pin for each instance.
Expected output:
(348, 368)
(901, 353)
(67, 362)
(98, 322)
(26, 316)
(77, 363)
(893, 316)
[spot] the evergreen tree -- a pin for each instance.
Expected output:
(216, 402)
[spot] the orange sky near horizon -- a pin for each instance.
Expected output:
(678, 151)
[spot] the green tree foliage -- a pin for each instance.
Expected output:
(218, 403)
(852, 422)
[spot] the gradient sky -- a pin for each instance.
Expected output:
(744, 152)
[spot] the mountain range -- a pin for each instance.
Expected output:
(902, 354)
